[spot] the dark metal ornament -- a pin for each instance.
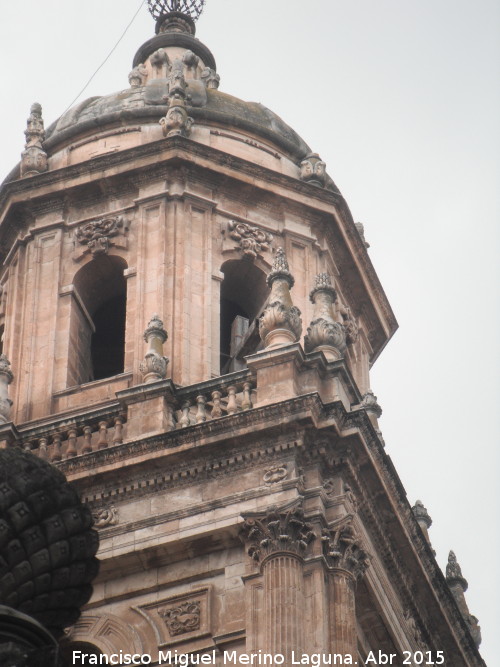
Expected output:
(191, 8)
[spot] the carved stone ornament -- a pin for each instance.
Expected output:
(210, 78)
(275, 475)
(324, 333)
(420, 513)
(183, 618)
(252, 241)
(313, 170)
(98, 236)
(369, 402)
(190, 59)
(277, 531)
(458, 585)
(138, 76)
(176, 122)
(6, 377)
(342, 549)
(34, 158)
(154, 365)
(159, 60)
(361, 231)
(105, 516)
(454, 572)
(280, 323)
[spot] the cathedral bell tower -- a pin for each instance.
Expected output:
(189, 315)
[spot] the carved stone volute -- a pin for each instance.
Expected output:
(277, 531)
(280, 323)
(34, 158)
(313, 170)
(324, 333)
(210, 78)
(154, 366)
(6, 377)
(342, 548)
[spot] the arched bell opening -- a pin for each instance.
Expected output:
(98, 320)
(243, 295)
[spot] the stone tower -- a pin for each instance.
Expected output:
(189, 315)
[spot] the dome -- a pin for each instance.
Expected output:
(144, 104)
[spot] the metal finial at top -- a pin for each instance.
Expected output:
(191, 8)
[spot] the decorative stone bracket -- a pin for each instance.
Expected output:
(98, 236)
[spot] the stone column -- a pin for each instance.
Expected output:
(278, 540)
(346, 562)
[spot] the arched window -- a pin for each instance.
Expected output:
(97, 329)
(244, 293)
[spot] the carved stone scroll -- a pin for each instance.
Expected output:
(252, 241)
(182, 618)
(98, 236)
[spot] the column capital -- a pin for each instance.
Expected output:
(277, 531)
(342, 548)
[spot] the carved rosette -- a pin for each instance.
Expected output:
(252, 241)
(34, 158)
(313, 170)
(98, 236)
(154, 365)
(176, 122)
(280, 323)
(183, 618)
(324, 333)
(342, 548)
(6, 377)
(277, 532)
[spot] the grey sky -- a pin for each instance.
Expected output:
(402, 101)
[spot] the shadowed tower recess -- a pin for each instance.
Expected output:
(190, 317)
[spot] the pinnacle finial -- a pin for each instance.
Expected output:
(192, 8)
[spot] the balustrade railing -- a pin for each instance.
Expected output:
(65, 437)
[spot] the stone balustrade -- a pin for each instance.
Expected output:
(223, 396)
(74, 435)
(63, 438)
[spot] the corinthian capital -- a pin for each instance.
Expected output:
(342, 548)
(277, 531)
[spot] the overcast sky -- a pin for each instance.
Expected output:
(402, 101)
